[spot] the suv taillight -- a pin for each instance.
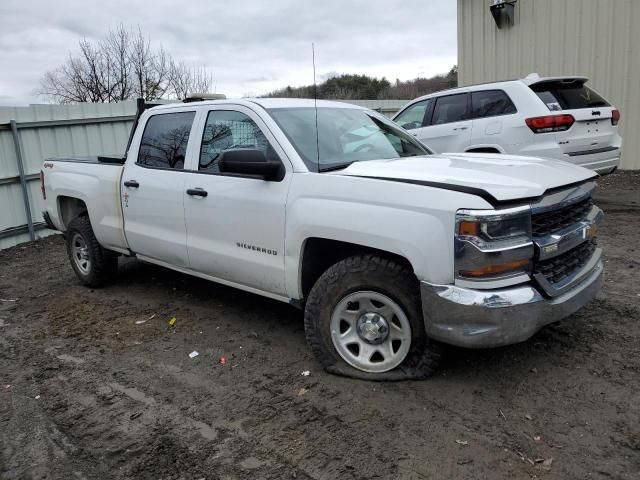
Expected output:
(550, 123)
(615, 117)
(44, 192)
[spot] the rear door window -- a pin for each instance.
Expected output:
(413, 117)
(490, 103)
(452, 108)
(558, 95)
(164, 141)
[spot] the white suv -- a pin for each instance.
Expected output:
(553, 117)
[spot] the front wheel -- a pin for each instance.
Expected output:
(363, 319)
(93, 265)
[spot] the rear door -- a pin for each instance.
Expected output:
(236, 224)
(492, 111)
(449, 125)
(593, 130)
(153, 189)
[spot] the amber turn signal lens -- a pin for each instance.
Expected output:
(491, 270)
(468, 228)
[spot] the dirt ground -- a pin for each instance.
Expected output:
(88, 391)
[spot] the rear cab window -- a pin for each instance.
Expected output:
(491, 103)
(164, 140)
(568, 95)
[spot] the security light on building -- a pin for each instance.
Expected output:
(503, 12)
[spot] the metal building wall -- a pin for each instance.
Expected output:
(49, 131)
(599, 39)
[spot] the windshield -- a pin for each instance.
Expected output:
(345, 135)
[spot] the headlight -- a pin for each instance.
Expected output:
(493, 244)
(494, 230)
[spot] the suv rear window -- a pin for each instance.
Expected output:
(563, 95)
(491, 103)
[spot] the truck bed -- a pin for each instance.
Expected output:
(94, 182)
(99, 159)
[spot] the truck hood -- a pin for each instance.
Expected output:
(500, 177)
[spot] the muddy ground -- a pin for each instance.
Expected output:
(87, 392)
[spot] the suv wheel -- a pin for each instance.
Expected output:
(363, 319)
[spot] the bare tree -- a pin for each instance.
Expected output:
(116, 47)
(185, 80)
(122, 66)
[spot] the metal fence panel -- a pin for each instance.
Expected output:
(51, 131)
(8, 165)
(386, 107)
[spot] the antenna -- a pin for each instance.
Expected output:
(315, 100)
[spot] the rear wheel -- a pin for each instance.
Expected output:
(363, 319)
(93, 265)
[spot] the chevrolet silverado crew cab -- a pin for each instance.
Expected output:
(389, 249)
(553, 117)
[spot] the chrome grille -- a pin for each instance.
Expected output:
(547, 223)
(563, 266)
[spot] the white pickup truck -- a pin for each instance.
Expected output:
(389, 249)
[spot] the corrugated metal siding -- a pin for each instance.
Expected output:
(595, 38)
(50, 140)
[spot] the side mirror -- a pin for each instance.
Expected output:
(250, 161)
(411, 125)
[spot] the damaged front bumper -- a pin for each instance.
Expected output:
(489, 318)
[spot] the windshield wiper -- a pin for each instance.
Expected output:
(337, 166)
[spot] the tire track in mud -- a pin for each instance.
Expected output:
(110, 424)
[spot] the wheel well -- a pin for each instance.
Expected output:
(320, 253)
(483, 150)
(71, 208)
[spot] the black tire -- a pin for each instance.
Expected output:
(378, 274)
(102, 265)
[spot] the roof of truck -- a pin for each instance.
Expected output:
(264, 102)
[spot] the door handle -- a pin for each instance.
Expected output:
(131, 184)
(197, 192)
(460, 128)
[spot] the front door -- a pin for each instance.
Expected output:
(236, 224)
(449, 129)
(153, 190)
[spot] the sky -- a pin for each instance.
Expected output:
(250, 47)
